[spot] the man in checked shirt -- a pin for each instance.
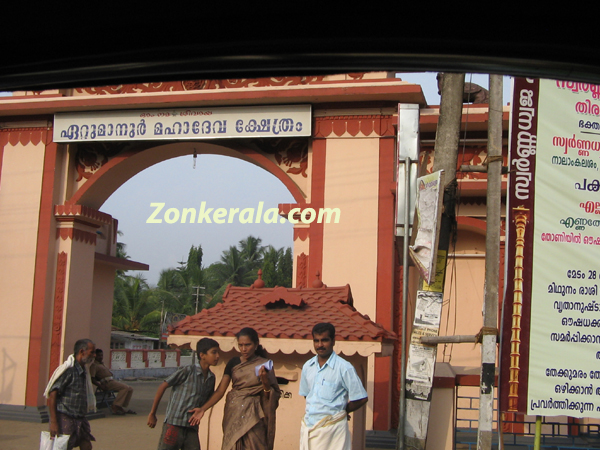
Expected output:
(68, 398)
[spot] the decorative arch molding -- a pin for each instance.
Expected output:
(102, 183)
(470, 155)
(24, 136)
(301, 233)
(195, 85)
(376, 125)
(302, 270)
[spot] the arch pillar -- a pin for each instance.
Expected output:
(353, 164)
(72, 316)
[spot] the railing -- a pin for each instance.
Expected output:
(141, 359)
(558, 433)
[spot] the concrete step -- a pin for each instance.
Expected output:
(380, 440)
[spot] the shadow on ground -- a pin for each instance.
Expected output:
(128, 432)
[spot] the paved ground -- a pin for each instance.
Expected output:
(127, 432)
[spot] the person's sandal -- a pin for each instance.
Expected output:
(130, 411)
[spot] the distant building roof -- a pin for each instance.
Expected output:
(128, 335)
(281, 314)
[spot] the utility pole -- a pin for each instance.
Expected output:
(446, 159)
(448, 129)
(492, 266)
(162, 322)
(197, 294)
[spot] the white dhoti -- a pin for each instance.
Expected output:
(330, 433)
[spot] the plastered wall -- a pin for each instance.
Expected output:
(20, 191)
(350, 246)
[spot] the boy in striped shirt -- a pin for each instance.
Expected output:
(192, 386)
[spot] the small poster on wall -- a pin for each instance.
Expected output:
(429, 210)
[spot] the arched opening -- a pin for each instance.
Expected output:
(159, 196)
(111, 175)
(185, 200)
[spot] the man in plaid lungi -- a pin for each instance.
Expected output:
(68, 399)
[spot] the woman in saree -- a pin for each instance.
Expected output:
(249, 415)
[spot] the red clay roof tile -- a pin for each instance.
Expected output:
(284, 313)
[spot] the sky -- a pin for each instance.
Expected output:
(221, 182)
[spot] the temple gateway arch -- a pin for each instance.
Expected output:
(331, 140)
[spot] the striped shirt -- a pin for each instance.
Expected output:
(190, 390)
(72, 392)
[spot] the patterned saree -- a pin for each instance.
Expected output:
(249, 416)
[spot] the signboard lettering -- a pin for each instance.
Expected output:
(191, 123)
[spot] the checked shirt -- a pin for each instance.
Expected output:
(190, 390)
(72, 392)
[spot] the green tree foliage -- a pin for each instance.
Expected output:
(134, 307)
(269, 269)
(177, 288)
(194, 261)
(251, 252)
(137, 307)
(233, 269)
(121, 253)
(285, 268)
(277, 267)
(238, 266)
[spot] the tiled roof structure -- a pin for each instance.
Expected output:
(284, 313)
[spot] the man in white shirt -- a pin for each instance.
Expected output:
(333, 390)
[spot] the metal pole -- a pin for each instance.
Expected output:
(162, 322)
(538, 433)
(402, 414)
(198, 295)
(492, 266)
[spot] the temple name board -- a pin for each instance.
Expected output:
(187, 123)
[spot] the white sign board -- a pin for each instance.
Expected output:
(565, 310)
(550, 358)
(190, 123)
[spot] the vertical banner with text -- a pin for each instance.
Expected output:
(550, 364)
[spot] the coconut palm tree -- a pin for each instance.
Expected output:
(252, 252)
(177, 289)
(233, 269)
(277, 267)
(134, 307)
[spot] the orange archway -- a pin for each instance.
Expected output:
(111, 175)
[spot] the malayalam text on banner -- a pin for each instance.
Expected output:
(189, 123)
(551, 319)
